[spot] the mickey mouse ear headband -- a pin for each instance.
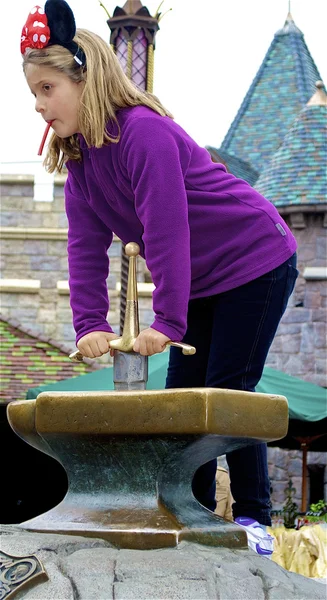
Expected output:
(55, 24)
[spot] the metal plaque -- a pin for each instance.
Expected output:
(17, 572)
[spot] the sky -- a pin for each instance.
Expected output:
(207, 54)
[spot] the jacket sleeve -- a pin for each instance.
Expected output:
(156, 159)
(88, 262)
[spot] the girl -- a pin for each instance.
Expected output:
(221, 258)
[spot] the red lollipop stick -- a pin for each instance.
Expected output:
(45, 135)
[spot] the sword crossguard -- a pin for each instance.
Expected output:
(127, 345)
(76, 356)
(186, 349)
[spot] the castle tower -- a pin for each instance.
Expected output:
(296, 182)
(132, 37)
(282, 86)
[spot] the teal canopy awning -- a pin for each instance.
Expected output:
(307, 401)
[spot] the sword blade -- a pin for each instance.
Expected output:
(130, 371)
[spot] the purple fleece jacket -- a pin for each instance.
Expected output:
(201, 230)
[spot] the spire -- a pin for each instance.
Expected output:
(289, 18)
(319, 98)
(132, 6)
(283, 85)
(289, 25)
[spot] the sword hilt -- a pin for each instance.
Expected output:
(131, 328)
(186, 349)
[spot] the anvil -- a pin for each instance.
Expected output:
(131, 368)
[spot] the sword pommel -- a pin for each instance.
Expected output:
(132, 249)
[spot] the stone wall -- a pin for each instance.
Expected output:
(287, 464)
(300, 345)
(34, 238)
(33, 250)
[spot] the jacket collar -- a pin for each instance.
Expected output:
(82, 142)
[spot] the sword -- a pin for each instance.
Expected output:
(131, 368)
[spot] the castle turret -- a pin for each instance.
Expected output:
(281, 88)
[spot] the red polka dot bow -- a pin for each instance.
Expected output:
(35, 33)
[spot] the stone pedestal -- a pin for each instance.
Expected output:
(92, 569)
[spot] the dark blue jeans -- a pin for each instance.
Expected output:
(232, 333)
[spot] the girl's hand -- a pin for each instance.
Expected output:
(150, 341)
(96, 343)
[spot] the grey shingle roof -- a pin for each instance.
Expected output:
(283, 85)
(297, 173)
(234, 165)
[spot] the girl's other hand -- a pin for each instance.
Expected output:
(150, 341)
(96, 343)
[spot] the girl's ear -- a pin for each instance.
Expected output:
(61, 22)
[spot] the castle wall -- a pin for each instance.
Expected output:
(33, 250)
(287, 464)
(300, 345)
(34, 238)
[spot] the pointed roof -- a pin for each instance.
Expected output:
(283, 85)
(234, 165)
(28, 361)
(132, 6)
(297, 175)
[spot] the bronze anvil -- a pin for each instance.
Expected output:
(131, 456)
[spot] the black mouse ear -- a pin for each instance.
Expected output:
(61, 22)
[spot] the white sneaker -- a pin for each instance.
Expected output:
(258, 540)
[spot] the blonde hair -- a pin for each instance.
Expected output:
(106, 90)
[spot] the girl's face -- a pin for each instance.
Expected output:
(57, 98)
